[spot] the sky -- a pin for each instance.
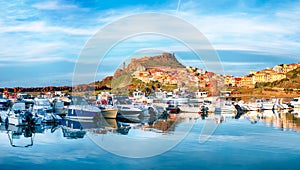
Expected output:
(40, 41)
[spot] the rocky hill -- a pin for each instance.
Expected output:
(166, 60)
(123, 77)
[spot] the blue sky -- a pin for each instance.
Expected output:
(41, 40)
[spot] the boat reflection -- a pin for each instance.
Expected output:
(144, 127)
(283, 120)
(22, 136)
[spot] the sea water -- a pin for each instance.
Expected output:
(264, 143)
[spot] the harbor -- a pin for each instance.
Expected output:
(252, 137)
(149, 85)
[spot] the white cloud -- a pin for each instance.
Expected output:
(53, 5)
(41, 26)
(226, 63)
(264, 32)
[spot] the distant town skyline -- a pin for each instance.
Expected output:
(42, 40)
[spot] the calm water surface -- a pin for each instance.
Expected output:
(255, 141)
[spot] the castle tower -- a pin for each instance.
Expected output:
(124, 65)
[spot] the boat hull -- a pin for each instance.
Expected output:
(267, 106)
(81, 114)
(189, 109)
(129, 113)
(109, 113)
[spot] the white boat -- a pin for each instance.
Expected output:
(224, 107)
(4, 103)
(42, 105)
(295, 103)
(109, 112)
(105, 103)
(209, 105)
(18, 116)
(129, 111)
(267, 105)
(176, 101)
(59, 106)
(189, 108)
(253, 106)
(49, 117)
(80, 109)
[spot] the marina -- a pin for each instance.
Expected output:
(91, 132)
(236, 143)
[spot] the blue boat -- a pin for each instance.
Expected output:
(80, 109)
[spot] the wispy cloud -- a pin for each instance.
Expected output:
(226, 63)
(56, 31)
(53, 5)
(273, 32)
(41, 26)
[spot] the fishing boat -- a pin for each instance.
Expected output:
(105, 104)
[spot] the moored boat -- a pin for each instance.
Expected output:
(42, 105)
(110, 113)
(128, 111)
(80, 109)
(19, 116)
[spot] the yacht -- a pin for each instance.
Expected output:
(80, 109)
(126, 108)
(128, 111)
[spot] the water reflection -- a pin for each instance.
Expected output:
(23, 136)
(78, 129)
(284, 120)
(145, 127)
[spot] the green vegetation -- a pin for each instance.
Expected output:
(169, 87)
(121, 81)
